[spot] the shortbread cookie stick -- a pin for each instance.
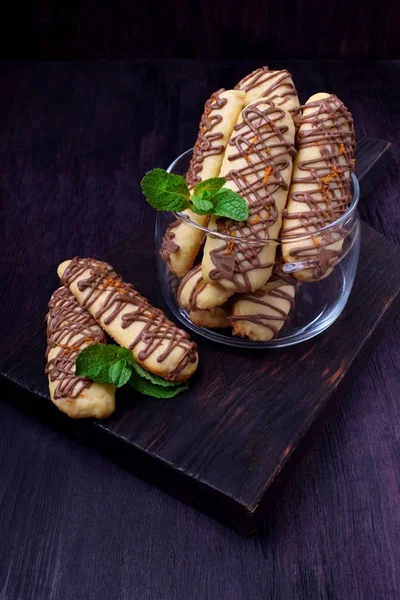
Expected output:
(213, 318)
(221, 112)
(261, 315)
(196, 294)
(70, 328)
(320, 191)
(156, 343)
(257, 165)
(190, 294)
(271, 85)
(181, 242)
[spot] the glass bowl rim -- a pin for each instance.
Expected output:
(281, 240)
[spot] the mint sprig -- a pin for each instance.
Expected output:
(202, 204)
(166, 191)
(149, 388)
(116, 365)
(214, 184)
(104, 364)
(150, 377)
(229, 204)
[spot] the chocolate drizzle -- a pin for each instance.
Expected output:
(281, 87)
(168, 245)
(257, 182)
(329, 126)
(70, 328)
(279, 274)
(277, 314)
(207, 144)
(208, 140)
(198, 286)
(156, 327)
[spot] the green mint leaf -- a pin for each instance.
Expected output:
(120, 373)
(201, 205)
(95, 372)
(209, 185)
(125, 354)
(148, 388)
(165, 191)
(93, 361)
(206, 195)
(98, 353)
(116, 365)
(153, 378)
(104, 364)
(228, 203)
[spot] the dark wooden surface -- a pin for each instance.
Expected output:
(223, 445)
(206, 29)
(75, 525)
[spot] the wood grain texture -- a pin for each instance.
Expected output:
(213, 30)
(73, 524)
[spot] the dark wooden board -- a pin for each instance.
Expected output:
(223, 445)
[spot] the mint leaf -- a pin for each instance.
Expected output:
(97, 353)
(104, 364)
(165, 191)
(148, 388)
(209, 185)
(153, 378)
(116, 365)
(202, 205)
(95, 372)
(125, 354)
(94, 362)
(119, 373)
(228, 203)
(206, 195)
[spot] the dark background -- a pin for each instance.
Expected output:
(223, 29)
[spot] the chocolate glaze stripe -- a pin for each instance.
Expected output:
(197, 288)
(206, 145)
(330, 127)
(281, 85)
(257, 182)
(157, 328)
(261, 318)
(66, 320)
(208, 137)
(168, 245)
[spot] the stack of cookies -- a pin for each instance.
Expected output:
(94, 300)
(292, 164)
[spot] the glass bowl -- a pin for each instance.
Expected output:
(317, 303)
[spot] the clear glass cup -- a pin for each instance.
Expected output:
(317, 304)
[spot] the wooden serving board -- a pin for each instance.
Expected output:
(225, 445)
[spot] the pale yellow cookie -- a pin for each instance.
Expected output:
(221, 112)
(181, 243)
(257, 165)
(261, 315)
(156, 343)
(320, 191)
(194, 293)
(70, 329)
(213, 318)
(271, 85)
